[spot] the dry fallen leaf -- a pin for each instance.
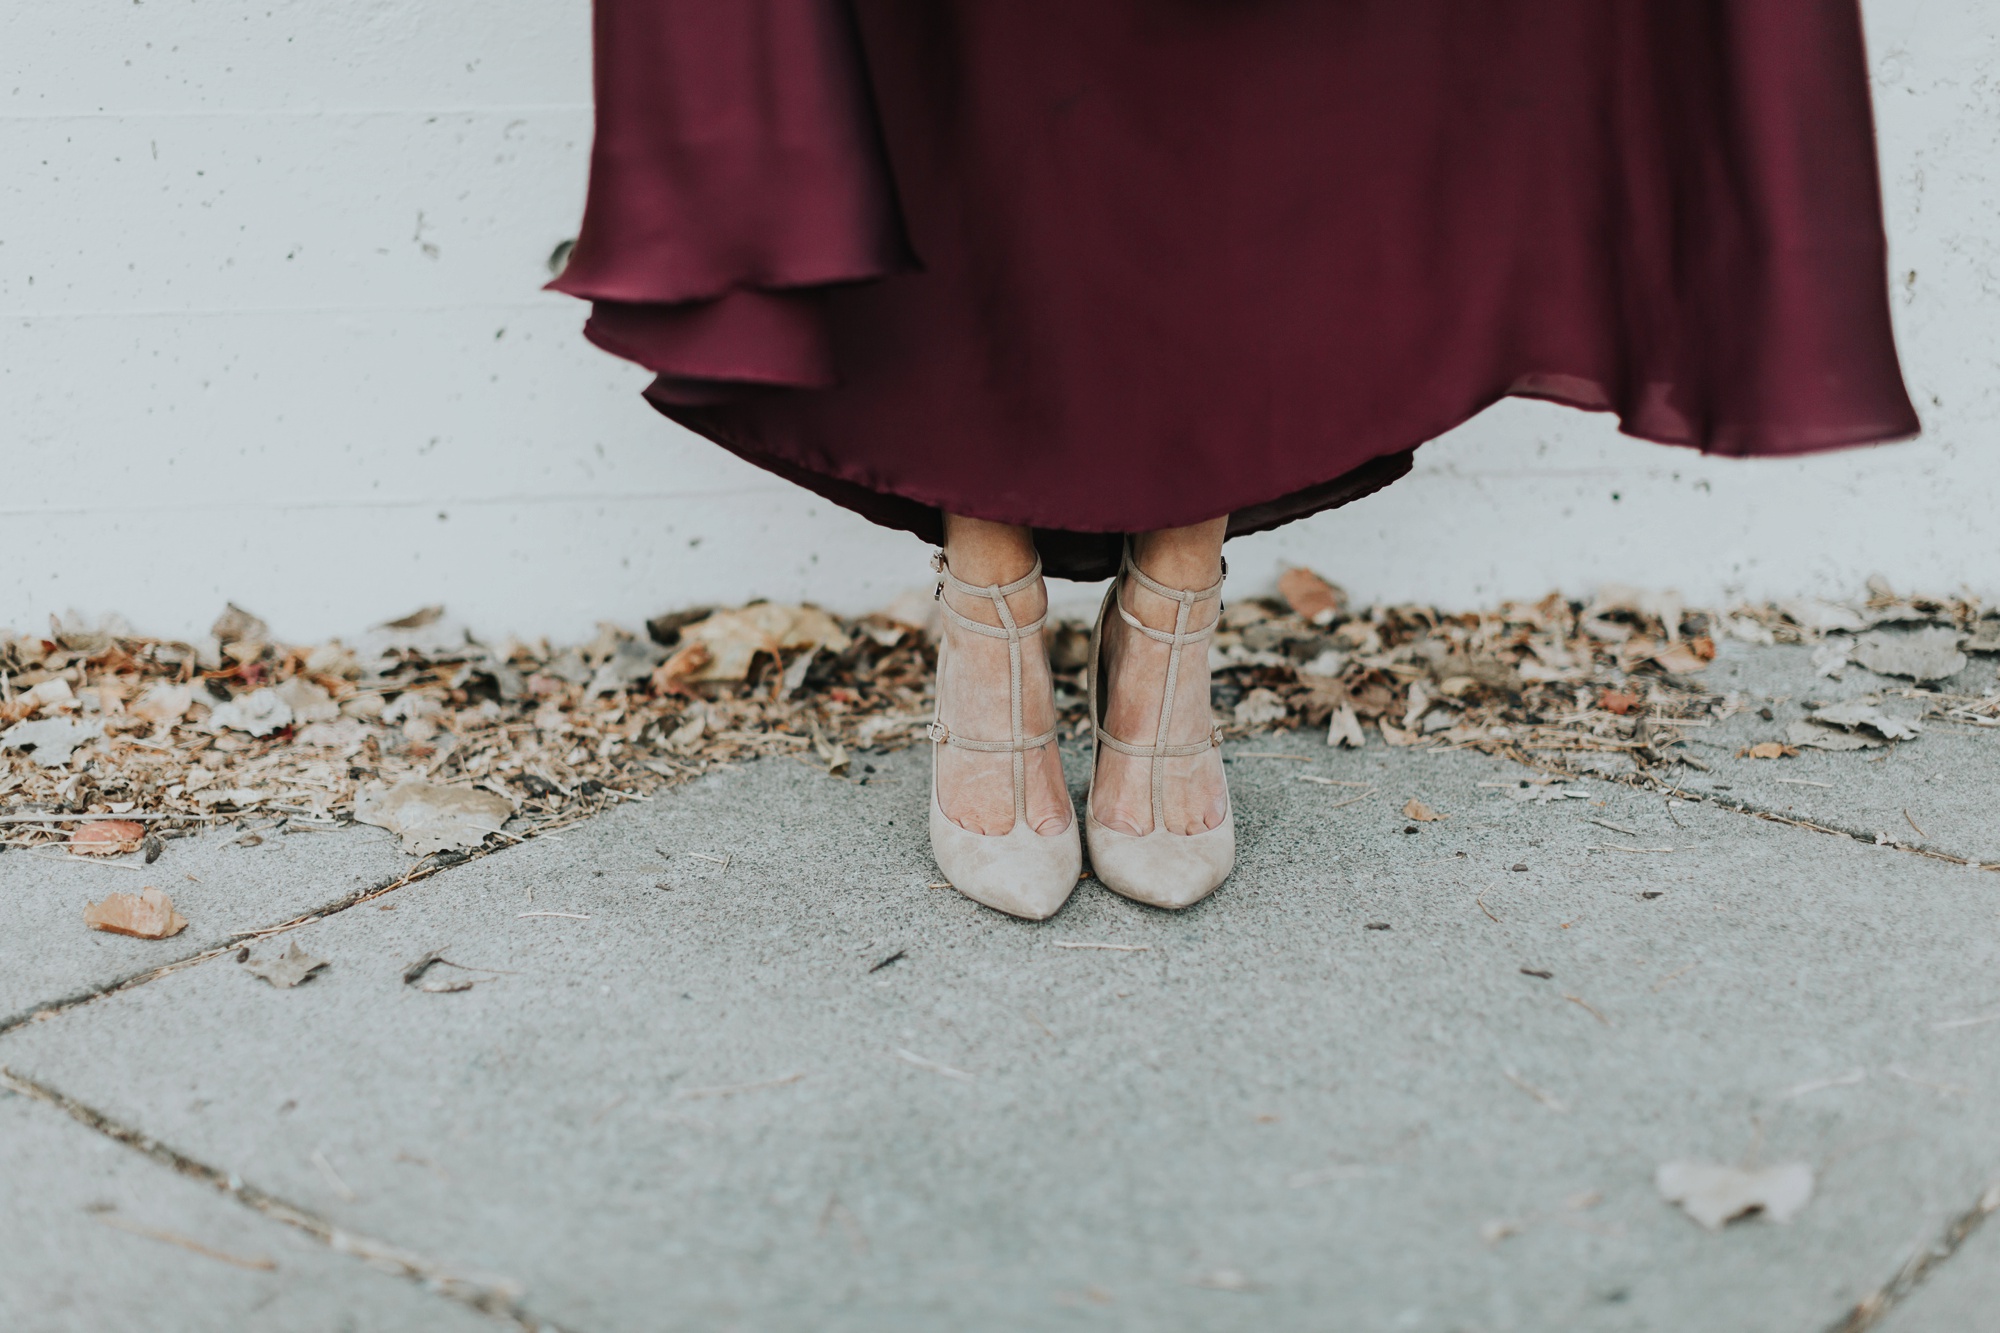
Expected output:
(146, 915)
(306, 701)
(235, 624)
(107, 837)
(53, 691)
(1815, 613)
(51, 741)
(1311, 597)
(1766, 750)
(260, 713)
(913, 608)
(1417, 810)
(414, 975)
(1829, 738)
(1926, 654)
(1715, 1195)
(831, 753)
(1395, 735)
(1867, 712)
(431, 818)
(1344, 728)
(1617, 701)
(1681, 658)
(734, 638)
(288, 968)
(1259, 708)
(163, 703)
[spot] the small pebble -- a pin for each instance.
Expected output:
(1520, 865)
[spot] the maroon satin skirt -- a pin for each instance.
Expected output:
(1117, 265)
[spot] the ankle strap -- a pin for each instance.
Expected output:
(1019, 743)
(1187, 597)
(997, 593)
(1178, 638)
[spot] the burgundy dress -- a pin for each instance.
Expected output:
(1102, 266)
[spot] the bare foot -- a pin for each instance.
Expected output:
(1196, 794)
(975, 789)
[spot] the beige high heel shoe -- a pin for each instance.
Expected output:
(1162, 869)
(1020, 872)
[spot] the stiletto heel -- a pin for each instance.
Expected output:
(1163, 869)
(1020, 872)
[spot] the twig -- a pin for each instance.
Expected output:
(1913, 824)
(1846, 1080)
(333, 1179)
(1949, 1089)
(1951, 1023)
(573, 916)
(910, 1057)
(1661, 984)
(1647, 851)
(1119, 948)
(1332, 782)
(91, 819)
(1615, 828)
(1584, 1004)
(899, 954)
(260, 1264)
(1481, 900)
(1545, 1098)
(731, 1089)
(1352, 800)
(1802, 782)
(86, 861)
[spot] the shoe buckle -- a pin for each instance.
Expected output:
(939, 733)
(937, 560)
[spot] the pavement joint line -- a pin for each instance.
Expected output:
(1663, 786)
(498, 1298)
(1871, 1309)
(1815, 826)
(41, 1013)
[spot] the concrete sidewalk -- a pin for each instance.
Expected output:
(696, 1092)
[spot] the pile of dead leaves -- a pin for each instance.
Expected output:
(422, 728)
(238, 727)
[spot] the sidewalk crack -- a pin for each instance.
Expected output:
(1664, 787)
(49, 1009)
(1872, 1308)
(491, 1295)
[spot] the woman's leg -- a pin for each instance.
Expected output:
(1196, 795)
(976, 790)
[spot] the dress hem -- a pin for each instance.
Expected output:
(1073, 546)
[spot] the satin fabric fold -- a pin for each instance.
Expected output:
(1105, 267)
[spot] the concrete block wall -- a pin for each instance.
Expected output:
(270, 331)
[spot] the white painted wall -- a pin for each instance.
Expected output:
(269, 331)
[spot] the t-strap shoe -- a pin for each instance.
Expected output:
(1020, 872)
(1160, 868)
